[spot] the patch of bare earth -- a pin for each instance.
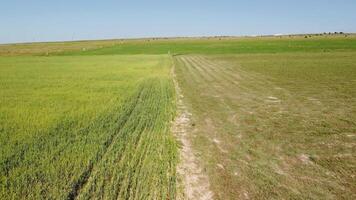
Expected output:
(194, 182)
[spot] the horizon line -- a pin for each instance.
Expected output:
(184, 37)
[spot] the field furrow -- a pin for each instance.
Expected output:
(138, 147)
(129, 107)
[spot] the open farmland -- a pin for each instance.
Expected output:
(213, 118)
(214, 45)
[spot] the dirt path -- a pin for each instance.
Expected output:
(195, 182)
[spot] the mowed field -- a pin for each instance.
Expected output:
(270, 117)
(278, 126)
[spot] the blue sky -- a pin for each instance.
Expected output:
(47, 20)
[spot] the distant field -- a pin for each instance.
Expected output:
(234, 45)
(262, 118)
(228, 46)
(46, 48)
(86, 127)
(278, 126)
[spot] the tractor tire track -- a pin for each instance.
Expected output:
(82, 181)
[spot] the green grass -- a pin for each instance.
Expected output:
(86, 127)
(227, 46)
(230, 45)
(281, 125)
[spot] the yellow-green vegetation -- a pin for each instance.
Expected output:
(48, 48)
(212, 45)
(86, 127)
(234, 45)
(272, 117)
(274, 126)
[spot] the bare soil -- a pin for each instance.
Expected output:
(195, 183)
